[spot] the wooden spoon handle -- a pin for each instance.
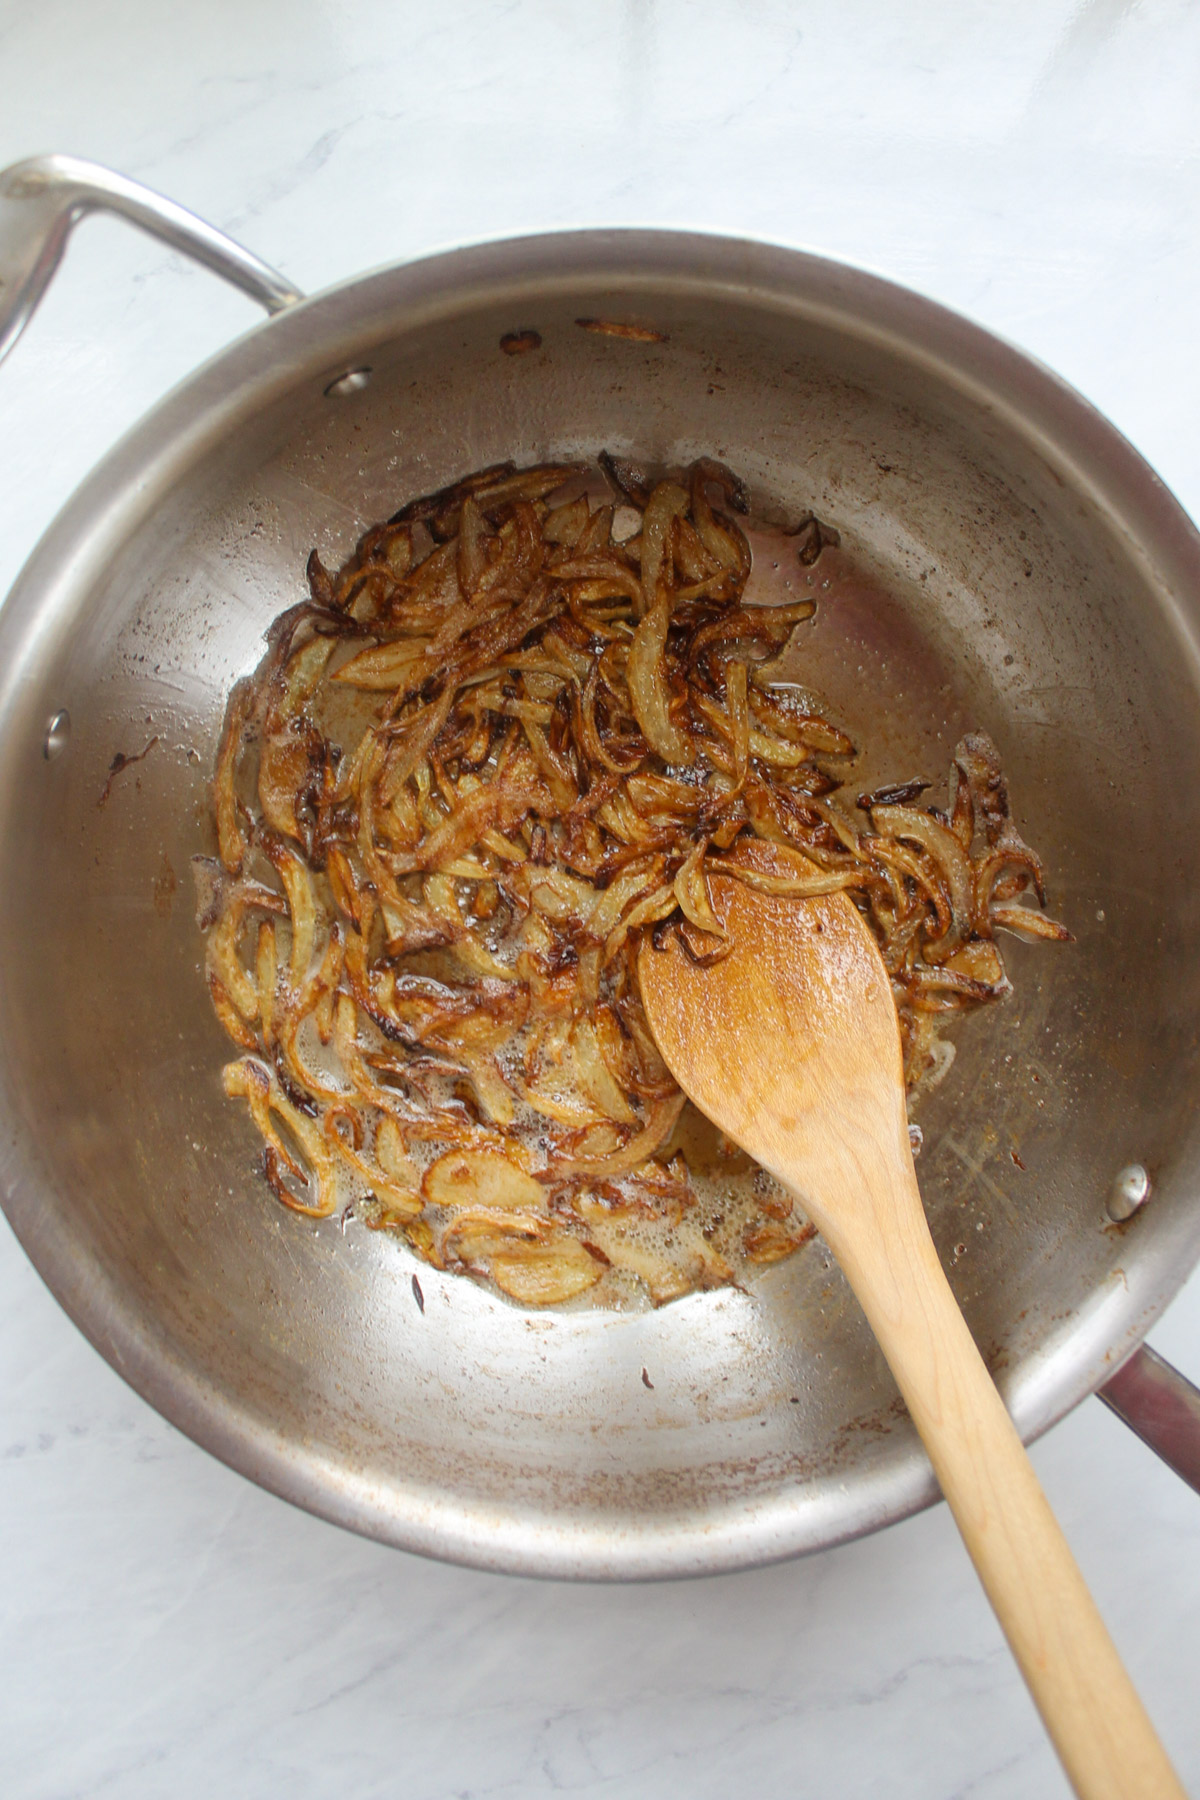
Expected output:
(1090, 1708)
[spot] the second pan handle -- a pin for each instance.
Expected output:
(1162, 1406)
(43, 198)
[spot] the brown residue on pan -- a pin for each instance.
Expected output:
(119, 764)
(516, 343)
(637, 334)
(165, 884)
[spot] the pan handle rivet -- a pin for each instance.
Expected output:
(352, 382)
(1130, 1189)
(57, 733)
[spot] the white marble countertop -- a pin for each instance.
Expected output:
(166, 1628)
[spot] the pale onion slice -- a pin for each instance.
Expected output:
(544, 1274)
(528, 1259)
(938, 839)
(591, 1072)
(224, 939)
(686, 1263)
(241, 1033)
(466, 945)
(401, 1200)
(649, 687)
(482, 1178)
(393, 1158)
(658, 904)
(667, 503)
(259, 1087)
(622, 893)
(661, 1118)
(383, 667)
(560, 896)
(691, 891)
(302, 905)
(776, 752)
(1026, 923)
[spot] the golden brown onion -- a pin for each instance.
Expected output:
(508, 738)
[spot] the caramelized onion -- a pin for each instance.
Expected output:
(475, 767)
(946, 851)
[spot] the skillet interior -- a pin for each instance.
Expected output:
(1045, 589)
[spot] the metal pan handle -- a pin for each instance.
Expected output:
(40, 201)
(1162, 1406)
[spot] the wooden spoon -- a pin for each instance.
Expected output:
(791, 1045)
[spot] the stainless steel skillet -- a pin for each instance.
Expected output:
(1042, 583)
